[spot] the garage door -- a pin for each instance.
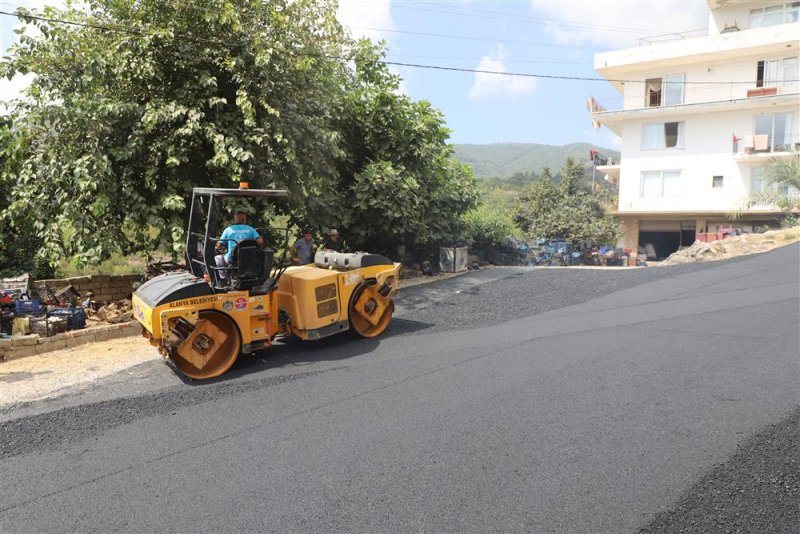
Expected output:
(660, 226)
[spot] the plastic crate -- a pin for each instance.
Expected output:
(47, 326)
(75, 317)
(28, 307)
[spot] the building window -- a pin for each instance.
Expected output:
(778, 127)
(757, 180)
(660, 184)
(665, 91)
(770, 16)
(662, 135)
(760, 184)
(778, 73)
(717, 182)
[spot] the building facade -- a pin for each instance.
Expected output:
(699, 118)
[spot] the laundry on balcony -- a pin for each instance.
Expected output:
(594, 107)
(761, 143)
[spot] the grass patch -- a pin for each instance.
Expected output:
(117, 264)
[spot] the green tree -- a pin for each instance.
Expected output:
(140, 101)
(565, 209)
(487, 227)
(782, 189)
(399, 166)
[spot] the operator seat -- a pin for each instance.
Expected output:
(251, 265)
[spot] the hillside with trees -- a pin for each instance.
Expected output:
(504, 160)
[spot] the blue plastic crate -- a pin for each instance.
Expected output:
(28, 307)
(76, 317)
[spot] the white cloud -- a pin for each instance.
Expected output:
(12, 90)
(496, 84)
(362, 18)
(603, 22)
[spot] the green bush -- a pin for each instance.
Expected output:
(565, 209)
(486, 227)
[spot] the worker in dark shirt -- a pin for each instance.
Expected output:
(333, 242)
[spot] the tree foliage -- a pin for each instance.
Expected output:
(147, 99)
(783, 189)
(564, 209)
(487, 227)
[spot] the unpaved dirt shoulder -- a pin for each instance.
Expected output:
(38, 377)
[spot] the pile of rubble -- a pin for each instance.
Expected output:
(732, 247)
(120, 311)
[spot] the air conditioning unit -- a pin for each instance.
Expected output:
(453, 259)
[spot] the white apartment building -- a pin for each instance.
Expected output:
(699, 117)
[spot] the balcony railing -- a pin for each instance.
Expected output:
(765, 144)
(637, 98)
(665, 37)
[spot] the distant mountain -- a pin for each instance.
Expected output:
(504, 159)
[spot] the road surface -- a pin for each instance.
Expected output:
(507, 400)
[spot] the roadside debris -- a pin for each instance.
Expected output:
(28, 307)
(731, 247)
(113, 313)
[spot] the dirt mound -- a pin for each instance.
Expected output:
(732, 247)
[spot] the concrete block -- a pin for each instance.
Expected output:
(26, 341)
(100, 278)
(75, 341)
(78, 280)
(56, 344)
(75, 334)
(19, 352)
(6, 344)
(132, 329)
(104, 335)
(51, 339)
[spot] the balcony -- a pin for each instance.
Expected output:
(611, 172)
(755, 147)
(640, 98)
(612, 113)
(667, 55)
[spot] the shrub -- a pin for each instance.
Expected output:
(487, 227)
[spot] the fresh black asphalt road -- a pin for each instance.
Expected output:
(655, 400)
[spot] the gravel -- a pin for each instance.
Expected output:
(490, 297)
(756, 490)
(49, 430)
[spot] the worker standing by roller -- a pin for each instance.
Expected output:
(303, 249)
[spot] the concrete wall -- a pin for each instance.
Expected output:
(104, 287)
(21, 346)
(630, 235)
(702, 78)
(738, 14)
(706, 152)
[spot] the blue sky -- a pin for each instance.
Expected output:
(555, 37)
(550, 37)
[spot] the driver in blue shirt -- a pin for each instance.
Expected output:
(232, 236)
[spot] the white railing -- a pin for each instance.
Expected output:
(765, 144)
(666, 37)
(698, 94)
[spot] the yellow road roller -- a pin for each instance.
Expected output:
(203, 317)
